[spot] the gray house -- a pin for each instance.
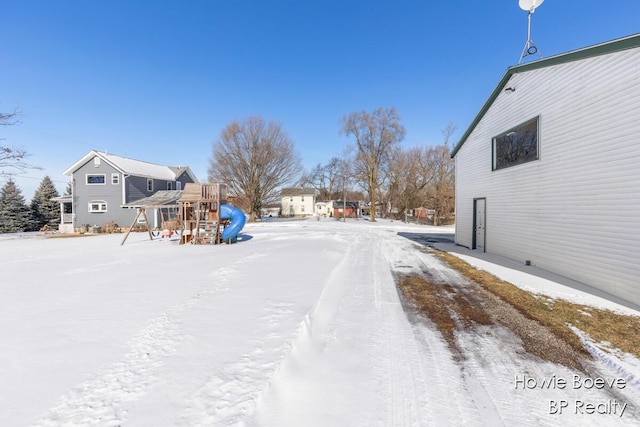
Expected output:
(102, 183)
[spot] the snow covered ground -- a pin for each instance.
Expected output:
(298, 324)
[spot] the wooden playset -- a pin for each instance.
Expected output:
(200, 213)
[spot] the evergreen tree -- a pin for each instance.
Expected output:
(68, 190)
(45, 211)
(14, 212)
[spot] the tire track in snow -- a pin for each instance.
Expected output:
(102, 399)
(494, 355)
(393, 347)
(358, 336)
(486, 401)
(427, 366)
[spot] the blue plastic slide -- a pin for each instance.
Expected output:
(237, 222)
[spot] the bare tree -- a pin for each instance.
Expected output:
(422, 177)
(448, 132)
(411, 172)
(8, 119)
(442, 191)
(375, 133)
(324, 178)
(11, 157)
(255, 159)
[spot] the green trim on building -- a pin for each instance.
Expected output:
(629, 42)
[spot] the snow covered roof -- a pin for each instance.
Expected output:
(339, 204)
(297, 191)
(179, 170)
(133, 167)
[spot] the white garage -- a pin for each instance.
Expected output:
(549, 170)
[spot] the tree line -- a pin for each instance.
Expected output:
(257, 159)
(16, 215)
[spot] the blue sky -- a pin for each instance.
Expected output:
(159, 80)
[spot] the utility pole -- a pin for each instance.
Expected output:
(344, 199)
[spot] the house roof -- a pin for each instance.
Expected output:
(161, 199)
(297, 191)
(179, 170)
(349, 205)
(134, 167)
(629, 42)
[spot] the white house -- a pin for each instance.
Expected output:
(322, 208)
(298, 201)
(548, 172)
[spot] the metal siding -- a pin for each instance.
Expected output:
(184, 178)
(137, 188)
(576, 211)
(112, 194)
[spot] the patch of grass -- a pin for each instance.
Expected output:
(623, 332)
(431, 301)
(447, 307)
(465, 306)
(470, 310)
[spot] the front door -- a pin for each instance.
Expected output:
(479, 221)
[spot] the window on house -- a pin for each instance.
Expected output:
(149, 184)
(178, 185)
(516, 146)
(302, 198)
(115, 178)
(291, 199)
(97, 206)
(169, 185)
(96, 179)
(96, 162)
(301, 208)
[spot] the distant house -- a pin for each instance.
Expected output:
(366, 208)
(323, 208)
(423, 214)
(271, 210)
(548, 172)
(297, 201)
(345, 209)
(102, 183)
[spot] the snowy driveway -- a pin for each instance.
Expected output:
(300, 325)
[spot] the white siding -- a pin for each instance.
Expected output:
(576, 211)
(298, 205)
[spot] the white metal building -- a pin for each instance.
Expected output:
(549, 170)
